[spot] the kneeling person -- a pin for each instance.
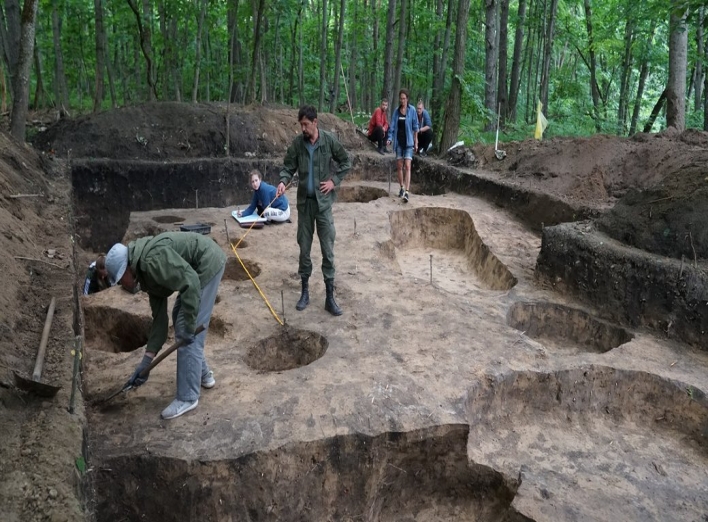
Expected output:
(184, 262)
(263, 195)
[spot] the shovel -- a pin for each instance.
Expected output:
(129, 384)
(34, 385)
(499, 154)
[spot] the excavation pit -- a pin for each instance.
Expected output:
(239, 243)
(459, 256)
(287, 349)
(113, 330)
(235, 272)
(578, 440)
(566, 329)
(421, 476)
(168, 219)
(359, 194)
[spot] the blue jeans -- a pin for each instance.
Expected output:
(191, 363)
(404, 152)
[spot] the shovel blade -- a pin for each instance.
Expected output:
(36, 387)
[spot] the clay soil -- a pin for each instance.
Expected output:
(408, 355)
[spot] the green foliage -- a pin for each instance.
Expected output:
(173, 26)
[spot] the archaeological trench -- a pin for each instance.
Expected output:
(499, 359)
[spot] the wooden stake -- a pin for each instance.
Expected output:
(431, 269)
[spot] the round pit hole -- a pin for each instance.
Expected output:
(235, 272)
(168, 219)
(113, 330)
(242, 243)
(217, 326)
(568, 329)
(289, 348)
(359, 194)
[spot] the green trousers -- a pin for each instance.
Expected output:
(308, 216)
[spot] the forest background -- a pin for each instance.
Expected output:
(611, 66)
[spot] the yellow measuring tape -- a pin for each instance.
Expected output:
(234, 247)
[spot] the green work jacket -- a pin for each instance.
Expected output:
(297, 159)
(174, 262)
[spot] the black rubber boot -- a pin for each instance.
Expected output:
(304, 296)
(330, 304)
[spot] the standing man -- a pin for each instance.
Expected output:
(310, 155)
(425, 130)
(184, 262)
(378, 126)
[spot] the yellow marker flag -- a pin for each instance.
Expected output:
(541, 121)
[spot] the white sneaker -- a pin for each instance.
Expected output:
(178, 408)
(208, 380)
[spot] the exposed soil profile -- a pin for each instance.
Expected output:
(424, 401)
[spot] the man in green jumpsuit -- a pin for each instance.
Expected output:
(310, 155)
(192, 265)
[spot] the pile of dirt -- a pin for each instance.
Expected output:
(172, 130)
(657, 183)
(40, 439)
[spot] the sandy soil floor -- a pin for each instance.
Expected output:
(402, 357)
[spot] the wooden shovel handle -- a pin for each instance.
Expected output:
(168, 351)
(39, 363)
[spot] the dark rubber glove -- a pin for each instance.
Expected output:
(186, 338)
(136, 380)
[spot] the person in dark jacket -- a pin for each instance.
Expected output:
(310, 155)
(263, 195)
(192, 265)
(96, 276)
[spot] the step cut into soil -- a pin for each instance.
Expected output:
(235, 272)
(359, 194)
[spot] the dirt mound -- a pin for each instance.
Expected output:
(171, 130)
(660, 181)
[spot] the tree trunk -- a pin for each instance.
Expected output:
(353, 97)
(502, 87)
(400, 51)
(491, 58)
(373, 72)
(198, 47)
(436, 104)
(60, 90)
(39, 84)
(676, 85)
(338, 58)
(655, 111)
(3, 91)
(624, 78)
(145, 44)
(516, 61)
(454, 100)
(109, 72)
(24, 65)
(234, 49)
(300, 67)
(547, 51)
(323, 56)
(387, 89)
(100, 55)
(592, 65)
(643, 73)
(700, 56)
(10, 25)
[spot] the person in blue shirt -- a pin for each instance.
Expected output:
(263, 194)
(425, 129)
(403, 133)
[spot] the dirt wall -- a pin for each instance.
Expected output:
(627, 285)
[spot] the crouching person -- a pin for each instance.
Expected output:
(184, 262)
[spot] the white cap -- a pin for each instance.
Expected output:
(116, 262)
